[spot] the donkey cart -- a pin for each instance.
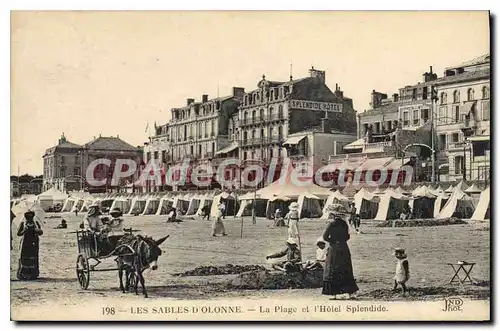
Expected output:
(90, 250)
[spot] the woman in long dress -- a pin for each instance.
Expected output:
(218, 225)
(292, 220)
(29, 230)
(338, 277)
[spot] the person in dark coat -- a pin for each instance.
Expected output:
(338, 277)
(30, 230)
(12, 216)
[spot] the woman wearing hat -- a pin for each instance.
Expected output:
(338, 276)
(218, 225)
(93, 222)
(114, 228)
(292, 220)
(30, 231)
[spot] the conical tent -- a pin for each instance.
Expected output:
(458, 205)
(366, 204)
(334, 197)
(310, 206)
(482, 211)
(292, 187)
(151, 206)
(423, 202)
(391, 205)
(473, 189)
(440, 202)
(51, 197)
(450, 189)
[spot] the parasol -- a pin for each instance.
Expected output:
(25, 206)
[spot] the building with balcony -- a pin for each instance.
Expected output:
(463, 120)
(65, 165)
(199, 129)
(276, 110)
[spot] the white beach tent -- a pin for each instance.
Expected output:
(333, 198)
(458, 205)
(205, 200)
(164, 205)
(423, 202)
(366, 204)
(193, 204)
(68, 204)
(151, 206)
(245, 204)
(138, 204)
(123, 203)
(215, 203)
(440, 202)
(391, 205)
(309, 206)
(482, 211)
(449, 189)
(51, 197)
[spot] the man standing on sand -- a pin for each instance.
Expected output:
(218, 225)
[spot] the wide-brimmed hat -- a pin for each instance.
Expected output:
(94, 211)
(399, 252)
(291, 241)
(336, 209)
(29, 214)
(293, 206)
(116, 212)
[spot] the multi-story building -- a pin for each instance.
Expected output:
(463, 120)
(158, 149)
(65, 165)
(275, 110)
(62, 166)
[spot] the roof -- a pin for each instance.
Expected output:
(110, 143)
(64, 145)
(475, 61)
(468, 75)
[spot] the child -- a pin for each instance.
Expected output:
(292, 262)
(278, 219)
(320, 256)
(402, 269)
(63, 225)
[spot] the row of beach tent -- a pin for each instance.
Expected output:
(461, 201)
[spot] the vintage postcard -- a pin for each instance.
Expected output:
(250, 166)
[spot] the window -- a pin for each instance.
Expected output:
(457, 114)
(271, 112)
(245, 137)
(425, 114)
(244, 155)
(442, 142)
(253, 115)
(486, 92)
(481, 148)
(456, 96)
(271, 150)
(213, 147)
(76, 171)
(414, 94)
(245, 116)
(485, 110)
(459, 165)
(280, 111)
(280, 132)
(365, 127)
(156, 155)
(470, 94)
(262, 133)
(206, 129)
(191, 150)
(377, 127)
(389, 125)
(454, 137)
(406, 119)
(253, 134)
(62, 159)
(213, 127)
(185, 132)
(444, 98)
(416, 117)
(261, 115)
(424, 93)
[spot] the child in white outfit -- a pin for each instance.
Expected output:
(402, 269)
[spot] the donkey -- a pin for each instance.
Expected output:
(146, 256)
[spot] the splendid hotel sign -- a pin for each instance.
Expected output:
(315, 105)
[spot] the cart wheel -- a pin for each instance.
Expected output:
(82, 271)
(132, 281)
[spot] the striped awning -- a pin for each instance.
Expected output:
(293, 140)
(227, 149)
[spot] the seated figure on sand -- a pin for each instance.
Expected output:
(319, 262)
(293, 259)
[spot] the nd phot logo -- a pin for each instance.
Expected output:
(453, 304)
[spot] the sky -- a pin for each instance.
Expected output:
(111, 73)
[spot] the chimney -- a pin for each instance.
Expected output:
(238, 92)
(314, 73)
(395, 97)
(189, 101)
(204, 98)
